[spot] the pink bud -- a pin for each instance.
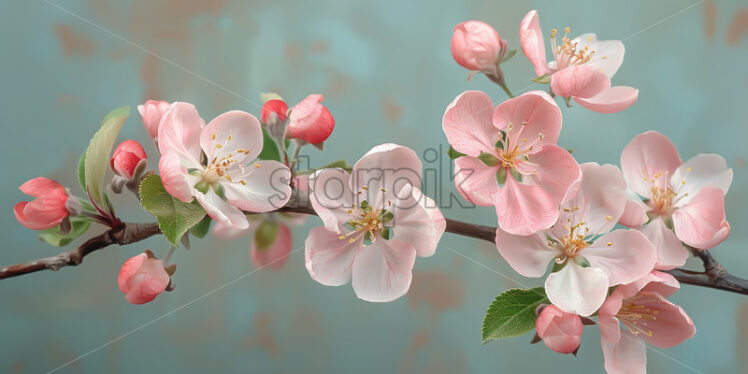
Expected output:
(279, 107)
(559, 330)
(126, 158)
(310, 121)
(47, 210)
(152, 111)
(276, 254)
(476, 46)
(143, 277)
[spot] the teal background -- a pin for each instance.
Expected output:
(387, 75)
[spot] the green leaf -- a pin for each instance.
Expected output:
(501, 176)
(453, 154)
(174, 216)
(269, 148)
(488, 159)
(508, 56)
(543, 79)
(512, 313)
(265, 235)
(97, 154)
(201, 229)
(82, 172)
(53, 236)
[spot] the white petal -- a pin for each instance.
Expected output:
(389, 166)
(221, 211)
(265, 187)
(626, 255)
(600, 200)
(528, 255)
(608, 54)
(419, 222)
(704, 170)
(382, 271)
(328, 259)
(670, 252)
(331, 197)
(577, 289)
(237, 133)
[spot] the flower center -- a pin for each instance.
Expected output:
(574, 242)
(636, 316)
(662, 198)
(367, 222)
(511, 152)
(567, 53)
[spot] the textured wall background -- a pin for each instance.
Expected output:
(387, 74)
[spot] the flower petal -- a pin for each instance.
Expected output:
(577, 289)
(523, 209)
(418, 221)
(277, 254)
(611, 100)
(387, 166)
(179, 132)
(331, 197)
(647, 155)
(600, 199)
(328, 259)
(555, 171)
(531, 39)
(627, 356)
(237, 133)
(475, 181)
(625, 255)
(382, 271)
(672, 325)
(40, 186)
(607, 56)
(467, 123)
(528, 255)
(656, 281)
(175, 178)
(670, 252)
(265, 188)
(221, 211)
(701, 223)
(635, 213)
(701, 171)
(529, 115)
(128, 269)
(583, 81)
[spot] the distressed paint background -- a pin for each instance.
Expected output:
(387, 75)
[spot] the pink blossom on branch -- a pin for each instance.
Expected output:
(512, 160)
(560, 331)
(310, 121)
(48, 209)
(684, 201)
(152, 111)
(591, 257)
(143, 277)
(376, 221)
(126, 158)
(581, 69)
(477, 46)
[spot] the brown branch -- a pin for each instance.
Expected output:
(714, 274)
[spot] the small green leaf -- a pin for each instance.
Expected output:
(543, 79)
(508, 56)
(501, 176)
(97, 154)
(269, 148)
(174, 216)
(52, 235)
(265, 235)
(488, 159)
(202, 228)
(512, 313)
(82, 172)
(516, 175)
(453, 154)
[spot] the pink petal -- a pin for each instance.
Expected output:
(467, 123)
(523, 209)
(389, 166)
(40, 186)
(237, 133)
(382, 271)
(530, 114)
(560, 331)
(635, 213)
(583, 81)
(556, 172)
(627, 356)
(226, 232)
(265, 188)
(670, 251)
(418, 221)
(174, 176)
(531, 39)
(528, 255)
(152, 111)
(701, 171)
(277, 254)
(129, 268)
(329, 259)
(611, 100)
(331, 197)
(577, 289)
(221, 211)
(179, 132)
(625, 255)
(701, 223)
(475, 181)
(607, 56)
(600, 199)
(672, 325)
(657, 281)
(476, 46)
(647, 155)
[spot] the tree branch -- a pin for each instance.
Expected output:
(714, 275)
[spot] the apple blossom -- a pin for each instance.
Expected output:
(49, 208)
(229, 182)
(682, 201)
(477, 46)
(152, 111)
(649, 318)
(511, 158)
(376, 221)
(143, 277)
(276, 254)
(560, 331)
(582, 67)
(590, 256)
(310, 121)
(127, 157)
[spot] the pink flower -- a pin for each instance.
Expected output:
(559, 330)
(49, 207)
(230, 182)
(684, 201)
(310, 121)
(477, 46)
(590, 256)
(512, 160)
(273, 107)
(126, 158)
(582, 67)
(276, 255)
(648, 317)
(152, 111)
(143, 277)
(376, 221)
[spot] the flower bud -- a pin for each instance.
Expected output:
(270, 251)
(49, 207)
(310, 121)
(477, 46)
(143, 277)
(277, 107)
(152, 111)
(559, 330)
(126, 159)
